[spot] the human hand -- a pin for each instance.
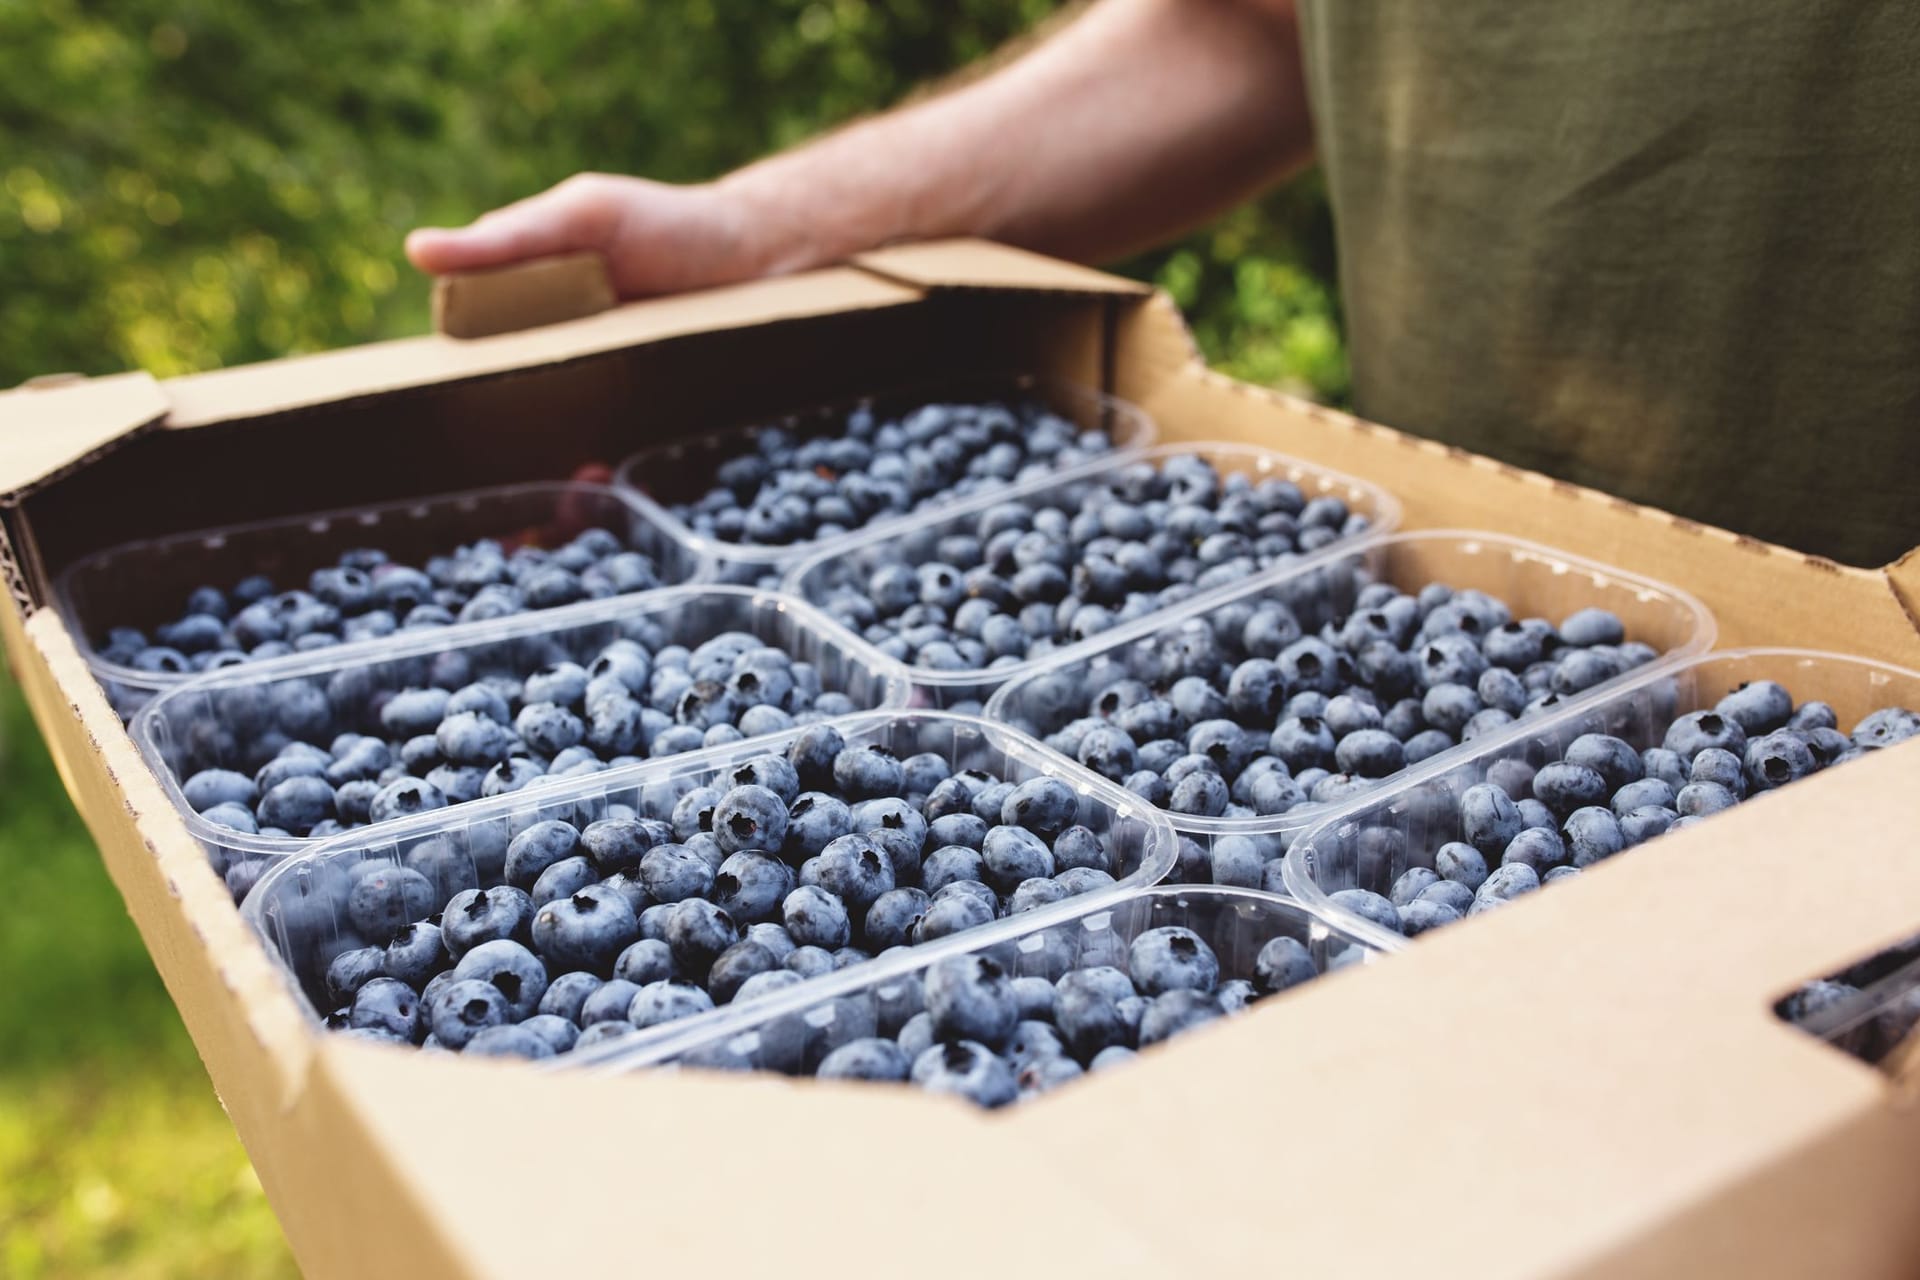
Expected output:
(656, 238)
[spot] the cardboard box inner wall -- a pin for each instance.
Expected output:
(1595, 1074)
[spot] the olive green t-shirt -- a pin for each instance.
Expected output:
(1666, 248)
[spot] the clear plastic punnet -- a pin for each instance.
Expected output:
(792, 1031)
(240, 718)
(144, 584)
(303, 910)
(1370, 844)
(684, 471)
(1532, 580)
(817, 578)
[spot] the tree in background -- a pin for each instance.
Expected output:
(206, 182)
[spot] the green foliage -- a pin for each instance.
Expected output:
(192, 183)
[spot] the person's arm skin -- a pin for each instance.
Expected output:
(1141, 120)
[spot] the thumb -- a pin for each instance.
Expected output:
(581, 213)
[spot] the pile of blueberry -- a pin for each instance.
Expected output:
(968, 1026)
(791, 489)
(1525, 827)
(787, 867)
(392, 750)
(366, 596)
(1247, 712)
(1022, 579)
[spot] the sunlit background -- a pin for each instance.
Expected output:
(209, 182)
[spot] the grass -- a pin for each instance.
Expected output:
(115, 1157)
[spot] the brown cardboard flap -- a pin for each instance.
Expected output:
(479, 304)
(254, 390)
(1531, 1061)
(45, 429)
(982, 264)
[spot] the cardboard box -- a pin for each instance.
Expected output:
(1589, 1083)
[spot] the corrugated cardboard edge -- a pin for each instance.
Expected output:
(47, 431)
(982, 264)
(1837, 606)
(479, 304)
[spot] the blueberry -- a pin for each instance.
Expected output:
(567, 994)
(1175, 1012)
(647, 961)
(585, 931)
(297, 805)
(562, 880)
(1697, 731)
(510, 1042)
(1013, 854)
(698, 932)
(1201, 793)
(415, 954)
(608, 1003)
(869, 1058)
(462, 1009)
(1171, 958)
(1565, 787)
(809, 962)
(863, 773)
(1370, 753)
(852, 868)
(1368, 906)
(403, 798)
(750, 886)
(513, 970)
(950, 864)
(212, 787)
(1505, 884)
(750, 817)
(971, 998)
(1645, 823)
(894, 916)
(1700, 799)
(538, 847)
(1592, 833)
(1541, 848)
(967, 1070)
(389, 1006)
(385, 900)
(814, 754)
(1776, 759)
(351, 970)
(1637, 795)
(1489, 819)
(1617, 763)
(476, 916)
(667, 1002)
(1282, 963)
(740, 962)
(1590, 627)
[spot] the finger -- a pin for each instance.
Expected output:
(573, 216)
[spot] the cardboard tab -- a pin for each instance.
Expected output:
(981, 264)
(46, 428)
(479, 304)
(1903, 575)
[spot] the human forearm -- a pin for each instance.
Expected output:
(1140, 120)
(1143, 119)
